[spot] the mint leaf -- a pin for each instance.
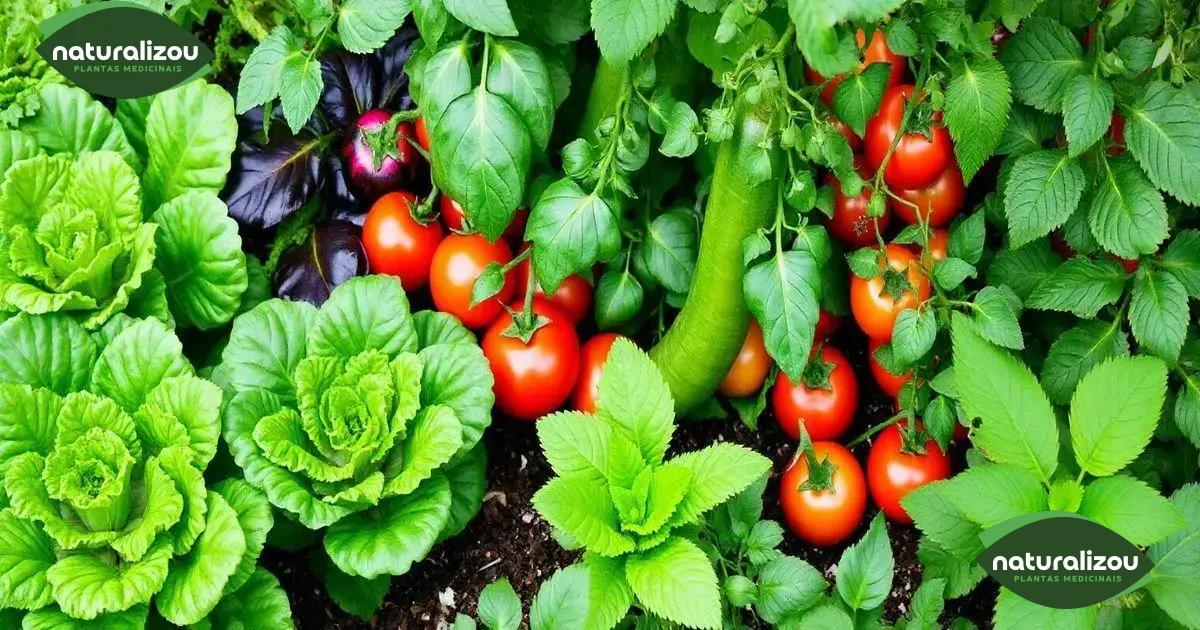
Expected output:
(783, 292)
(1177, 561)
(499, 606)
(574, 443)
(582, 508)
(1081, 286)
(571, 230)
(1158, 313)
(1076, 352)
(1182, 259)
(1114, 412)
(563, 601)
(1042, 191)
(676, 581)
(259, 81)
(1022, 269)
(961, 574)
(366, 25)
(1127, 215)
(856, 98)
(301, 74)
(635, 401)
(1161, 133)
(864, 573)
(1018, 424)
(927, 604)
(967, 238)
(913, 334)
(609, 595)
(1130, 508)
(993, 493)
(1014, 611)
(996, 313)
(1042, 58)
(718, 472)
(489, 16)
(787, 585)
(1087, 110)
(949, 273)
(1027, 130)
(1187, 409)
(941, 520)
(624, 27)
(978, 102)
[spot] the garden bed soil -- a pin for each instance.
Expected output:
(508, 538)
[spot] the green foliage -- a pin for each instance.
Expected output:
(106, 438)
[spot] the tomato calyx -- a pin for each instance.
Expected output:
(913, 439)
(525, 322)
(921, 119)
(816, 373)
(895, 284)
(820, 473)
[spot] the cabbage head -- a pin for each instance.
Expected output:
(104, 441)
(360, 419)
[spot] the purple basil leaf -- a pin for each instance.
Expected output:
(269, 182)
(393, 90)
(352, 85)
(331, 255)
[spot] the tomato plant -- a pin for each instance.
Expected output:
(399, 244)
(535, 363)
(573, 296)
(823, 494)
(750, 367)
(850, 222)
(458, 261)
(915, 159)
(877, 301)
(823, 400)
(936, 203)
(592, 357)
(900, 461)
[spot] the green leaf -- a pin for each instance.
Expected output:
(366, 25)
(682, 131)
(575, 443)
(85, 585)
(624, 27)
(28, 421)
(1028, 129)
(197, 580)
(978, 102)
(190, 135)
(670, 248)
(1081, 286)
(1076, 352)
(518, 73)
(358, 596)
(993, 493)
(489, 16)
(787, 585)
(927, 604)
(433, 437)
(1018, 424)
(70, 121)
(26, 556)
(301, 73)
(1130, 508)
(49, 351)
(856, 98)
(949, 273)
(265, 346)
(1042, 58)
(1087, 110)
(51, 618)
(136, 361)
(458, 377)
(913, 334)
(31, 187)
(255, 520)
(961, 574)
(676, 581)
(582, 509)
(864, 573)
(619, 298)
(1161, 134)
(468, 484)
(1114, 412)
(260, 603)
(199, 253)
(827, 616)
(783, 292)
(996, 310)
(364, 313)
(719, 471)
(1014, 611)
(258, 82)
(445, 77)
(609, 594)
(1127, 215)
(563, 600)
(391, 537)
(1158, 313)
(1043, 189)
(1182, 259)
(635, 401)
(571, 230)
(1177, 561)
(1022, 269)
(499, 606)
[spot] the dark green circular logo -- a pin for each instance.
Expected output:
(122, 50)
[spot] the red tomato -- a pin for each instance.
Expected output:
(574, 295)
(940, 201)
(850, 223)
(829, 516)
(534, 378)
(396, 243)
(888, 382)
(515, 232)
(939, 244)
(452, 213)
(826, 411)
(827, 324)
(457, 262)
(878, 51)
(851, 138)
(422, 134)
(875, 311)
(893, 473)
(917, 161)
(749, 369)
(1060, 245)
(1117, 130)
(1130, 265)
(592, 358)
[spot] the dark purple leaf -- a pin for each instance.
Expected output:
(351, 86)
(393, 90)
(270, 182)
(331, 255)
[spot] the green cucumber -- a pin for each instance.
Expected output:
(705, 338)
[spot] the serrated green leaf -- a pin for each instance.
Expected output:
(1130, 508)
(856, 98)
(1076, 352)
(961, 574)
(993, 493)
(1043, 189)
(1014, 611)
(582, 508)
(913, 334)
(624, 27)
(499, 606)
(996, 310)
(787, 585)
(1114, 412)
(519, 74)
(864, 573)
(1081, 286)
(301, 73)
(489, 16)
(571, 230)
(978, 102)
(1177, 561)
(562, 601)
(1158, 313)
(1127, 215)
(366, 25)
(1182, 259)
(1161, 134)
(1087, 109)
(783, 292)
(676, 581)
(1042, 57)
(718, 471)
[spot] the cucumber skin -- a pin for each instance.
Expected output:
(709, 331)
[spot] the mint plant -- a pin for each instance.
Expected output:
(1025, 467)
(104, 442)
(360, 420)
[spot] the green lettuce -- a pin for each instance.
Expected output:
(104, 214)
(104, 440)
(361, 420)
(22, 70)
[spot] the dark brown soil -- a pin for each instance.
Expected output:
(508, 539)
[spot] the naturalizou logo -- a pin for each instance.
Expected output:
(121, 49)
(1062, 560)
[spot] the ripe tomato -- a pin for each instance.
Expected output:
(422, 134)
(827, 516)
(940, 201)
(452, 213)
(750, 367)
(939, 244)
(457, 262)
(534, 378)
(827, 324)
(827, 407)
(888, 382)
(396, 243)
(876, 311)
(877, 51)
(892, 473)
(574, 295)
(850, 223)
(851, 138)
(515, 232)
(591, 362)
(917, 161)
(1117, 131)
